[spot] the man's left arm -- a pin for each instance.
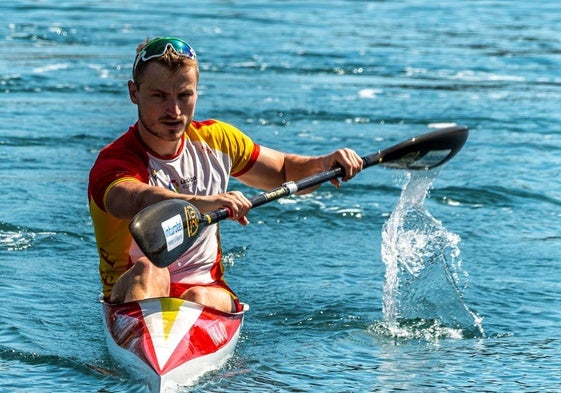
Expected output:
(274, 168)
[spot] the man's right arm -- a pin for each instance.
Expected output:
(127, 198)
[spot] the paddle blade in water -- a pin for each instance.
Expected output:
(165, 230)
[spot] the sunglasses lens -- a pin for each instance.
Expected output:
(159, 46)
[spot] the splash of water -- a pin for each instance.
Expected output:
(424, 282)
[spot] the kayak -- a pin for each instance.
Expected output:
(169, 342)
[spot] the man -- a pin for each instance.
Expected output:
(167, 154)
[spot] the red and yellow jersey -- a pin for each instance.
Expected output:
(210, 153)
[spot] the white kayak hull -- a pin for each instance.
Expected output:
(169, 342)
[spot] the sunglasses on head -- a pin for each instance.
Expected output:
(159, 46)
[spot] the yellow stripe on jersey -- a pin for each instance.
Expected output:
(226, 139)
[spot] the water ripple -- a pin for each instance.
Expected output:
(492, 195)
(13, 238)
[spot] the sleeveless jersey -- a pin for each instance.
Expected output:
(210, 153)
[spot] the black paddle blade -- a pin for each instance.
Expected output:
(165, 230)
(423, 152)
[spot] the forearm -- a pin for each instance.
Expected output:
(274, 168)
(297, 167)
(128, 198)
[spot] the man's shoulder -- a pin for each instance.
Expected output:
(124, 142)
(210, 126)
(200, 124)
(123, 158)
(213, 129)
(126, 151)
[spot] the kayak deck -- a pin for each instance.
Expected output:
(170, 342)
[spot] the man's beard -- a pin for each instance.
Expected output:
(166, 136)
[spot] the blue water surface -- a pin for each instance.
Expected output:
(305, 77)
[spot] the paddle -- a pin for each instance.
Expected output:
(165, 230)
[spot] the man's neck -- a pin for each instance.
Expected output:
(157, 145)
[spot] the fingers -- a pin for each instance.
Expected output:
(243, 221)
(237, 204)
(350, 161)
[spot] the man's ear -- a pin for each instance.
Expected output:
(132, 92)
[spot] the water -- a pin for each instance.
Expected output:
(307, 77)
(424, 284)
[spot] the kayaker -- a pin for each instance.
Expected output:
(167, 154)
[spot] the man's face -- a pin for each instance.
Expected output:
(166, 100)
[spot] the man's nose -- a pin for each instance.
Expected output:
(173, 108)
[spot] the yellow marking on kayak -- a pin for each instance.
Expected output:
(170, 310)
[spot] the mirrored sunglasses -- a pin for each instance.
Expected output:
(159, 46)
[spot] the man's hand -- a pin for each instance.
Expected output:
(234, 201)
(347, 159)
